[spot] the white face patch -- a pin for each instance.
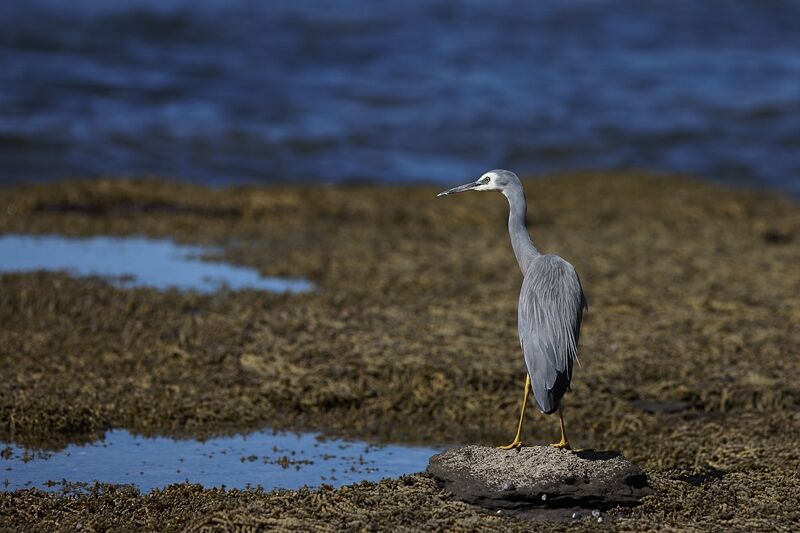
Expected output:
(490, 185)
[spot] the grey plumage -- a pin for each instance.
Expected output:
(551, 304)
(551, 300)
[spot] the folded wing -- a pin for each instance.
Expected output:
(551, 305)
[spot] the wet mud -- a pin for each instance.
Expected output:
(688, 350)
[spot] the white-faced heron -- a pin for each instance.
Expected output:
(551, 305)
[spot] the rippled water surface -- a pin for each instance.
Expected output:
(269, 459)
(135, 262)
(427, 90)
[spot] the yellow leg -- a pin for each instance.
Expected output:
(517, 442)
(563, 443)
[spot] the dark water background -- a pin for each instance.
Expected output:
(232, 91)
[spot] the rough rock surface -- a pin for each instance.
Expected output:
(540, 480)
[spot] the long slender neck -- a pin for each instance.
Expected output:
(518, 230)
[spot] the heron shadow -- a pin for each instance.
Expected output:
(590, 454)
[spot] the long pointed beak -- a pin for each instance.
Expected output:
(460, 188)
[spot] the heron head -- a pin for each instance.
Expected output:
(494, 180)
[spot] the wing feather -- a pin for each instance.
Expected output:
(551, 305)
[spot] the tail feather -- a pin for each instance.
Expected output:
(548, 399)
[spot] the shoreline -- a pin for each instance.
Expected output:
(412, 335)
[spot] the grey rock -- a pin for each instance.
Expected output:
(547, 482)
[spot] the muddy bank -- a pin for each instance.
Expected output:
(687, 354)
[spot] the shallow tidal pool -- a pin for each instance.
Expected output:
(136, 262)
(272, 460)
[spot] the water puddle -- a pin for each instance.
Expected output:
(270, 459)
(136, 262)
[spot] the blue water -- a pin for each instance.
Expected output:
(221, 91)
(136, 262)
(270, 459)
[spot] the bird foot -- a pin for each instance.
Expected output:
(517, 444)
(562, 445)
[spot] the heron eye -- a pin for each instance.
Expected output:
(485, 180)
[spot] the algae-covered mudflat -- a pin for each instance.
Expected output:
(689, 357)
